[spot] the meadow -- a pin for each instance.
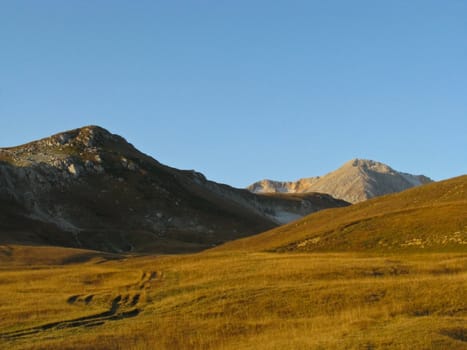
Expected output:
(72, 299)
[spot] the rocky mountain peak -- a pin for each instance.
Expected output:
(87, 149)
(368, 164)
(355, 181)
(88, 137)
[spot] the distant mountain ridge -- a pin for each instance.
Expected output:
(89, 188)
(355, 181)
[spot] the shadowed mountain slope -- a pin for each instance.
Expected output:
(356, 181)
(89, 188)
(432, 217)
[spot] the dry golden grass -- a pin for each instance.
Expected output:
(238, 300)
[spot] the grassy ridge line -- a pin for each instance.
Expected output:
(431, 217)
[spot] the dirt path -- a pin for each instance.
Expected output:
(122, 306)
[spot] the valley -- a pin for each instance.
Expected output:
(235, 299)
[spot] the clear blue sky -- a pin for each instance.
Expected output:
(244, 90)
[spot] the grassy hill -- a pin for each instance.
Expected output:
(432, 217)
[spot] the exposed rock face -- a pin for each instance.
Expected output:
(90, 188)
(356, 181)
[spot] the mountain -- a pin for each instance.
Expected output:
(429, 218)
(88, 188)
(356, 181)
